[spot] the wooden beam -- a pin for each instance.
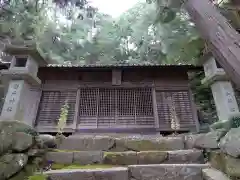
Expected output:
(222, 39)
(116, 77)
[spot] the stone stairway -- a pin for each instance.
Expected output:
(135, 157)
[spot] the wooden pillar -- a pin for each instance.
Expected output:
(76, 114)
(155, 110)
(194, 110)
(222, 39)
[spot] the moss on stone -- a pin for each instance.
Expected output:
(120, 158)
(216, 159)
(232, 166)
(26, 172)
(78, 166)
(113, 154)
(145, 145)
(152, 157)
(38, 177)
(19, 176)
(63, 150)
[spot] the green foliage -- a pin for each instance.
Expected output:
(62, 121)
(166, 15)
(133, 37)
(232, 122)
(235, 121)
(203, 98)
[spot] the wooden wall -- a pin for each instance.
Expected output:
(168, 85)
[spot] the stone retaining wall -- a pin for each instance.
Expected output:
(126, 157)
(221, 147)
(21, 151)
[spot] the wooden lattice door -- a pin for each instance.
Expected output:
(50, 107)
(115, 107)
(174, 110)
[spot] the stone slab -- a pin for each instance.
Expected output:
(189, 140)
(167, 171)
(60, 157)
(88, 157)
(126, 157)
(185, 156)
(87, 143)
(217, 160)
(232, 166)
(11, 164)
(209, 140)
(128, 143)
(152, 157)
(118, 173)
(145, 144)
(213, 174)
(22, 141)
(229, 144)
(120, 158)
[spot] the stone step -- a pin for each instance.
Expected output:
(167, 171)
(133, 172)
(123, 143)
(213, 174)
(126, 157)
(116, 173)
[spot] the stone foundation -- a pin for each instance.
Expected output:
(222, 149)
(23, 154)
(20, 151)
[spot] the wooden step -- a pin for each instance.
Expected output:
(126, 143)
(126, 157)
(136, 172)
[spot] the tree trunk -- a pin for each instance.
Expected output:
(222, 39)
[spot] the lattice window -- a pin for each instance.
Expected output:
(51, 104)
(144, 106)
(117, 107)
(106, 107)
(126, 106)
(106, 102)
(174, 109)
(88, 106)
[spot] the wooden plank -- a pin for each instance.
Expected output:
(116, 77)
(116, 107)
(76, 114)
(123, 85)
(37, 109)
(155, 110)
(48, 129)
(97, 107)
(223, 40)
(194, 111)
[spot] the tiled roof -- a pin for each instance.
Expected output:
(118, 65)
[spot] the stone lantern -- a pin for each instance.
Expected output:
(20, 100)
(221, 86)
